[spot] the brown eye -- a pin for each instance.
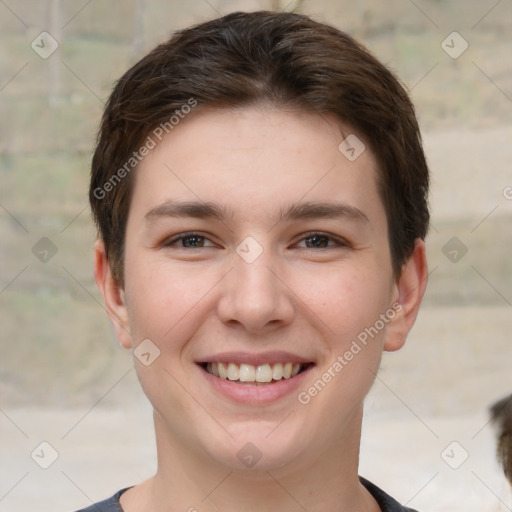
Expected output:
(188, 241)
(321, 241)
(317, 241)
(192, 241)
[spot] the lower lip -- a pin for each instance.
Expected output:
(254, 395)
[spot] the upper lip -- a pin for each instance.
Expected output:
(255, 359)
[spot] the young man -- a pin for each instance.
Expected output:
(260, 191)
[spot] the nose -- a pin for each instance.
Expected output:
(255, 295)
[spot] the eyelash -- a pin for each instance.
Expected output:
(337, 241)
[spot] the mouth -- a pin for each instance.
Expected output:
(255, 375)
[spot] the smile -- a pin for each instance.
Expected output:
(254, 374)
(255, 379)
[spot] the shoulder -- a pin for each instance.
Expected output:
(385, 501)
(108, 505)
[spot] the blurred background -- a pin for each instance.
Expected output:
(65, 382)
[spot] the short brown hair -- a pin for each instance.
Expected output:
(284, 58)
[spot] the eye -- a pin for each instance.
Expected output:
(188, 241)
(321, 241)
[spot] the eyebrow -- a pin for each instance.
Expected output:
(297, 211)
(196, 209)
(322, 210)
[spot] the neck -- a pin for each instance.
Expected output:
(191, 481)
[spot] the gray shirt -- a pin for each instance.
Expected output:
(386, 502)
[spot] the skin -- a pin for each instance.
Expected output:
(296, 296)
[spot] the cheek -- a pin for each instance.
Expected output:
(347, 300)
(163, 303)
(163, 297)
(348, 304)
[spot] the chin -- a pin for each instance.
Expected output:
(257, 447)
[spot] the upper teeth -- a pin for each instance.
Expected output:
(250, 373)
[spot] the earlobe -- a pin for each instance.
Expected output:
(113, 295)
(410, 288)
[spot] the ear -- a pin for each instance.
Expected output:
(113, 295)
(409, 290)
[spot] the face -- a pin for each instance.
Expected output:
(257, 268)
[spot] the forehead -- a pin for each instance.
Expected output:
(255, 160)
